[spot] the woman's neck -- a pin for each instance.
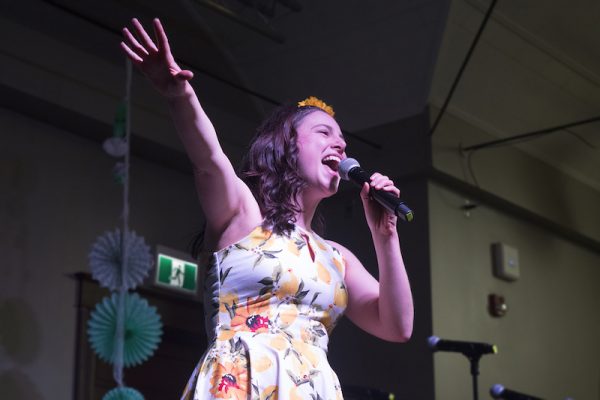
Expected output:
(304, 218)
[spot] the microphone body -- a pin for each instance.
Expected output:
(500, 392)
(350, 170)
(466, 348)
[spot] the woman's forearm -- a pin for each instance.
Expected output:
(195, 130)
(395, 298)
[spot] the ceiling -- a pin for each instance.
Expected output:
(537, 64)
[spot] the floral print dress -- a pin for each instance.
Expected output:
(270, 303)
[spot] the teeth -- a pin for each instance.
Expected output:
(332, 162)
(332, 158)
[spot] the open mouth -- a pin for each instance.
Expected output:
(332, 162)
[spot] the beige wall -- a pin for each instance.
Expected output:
(517, 177)
(547, 339)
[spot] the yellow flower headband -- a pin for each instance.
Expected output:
(315, 102)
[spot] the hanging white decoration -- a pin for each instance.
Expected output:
(115, 147)
(105, 260)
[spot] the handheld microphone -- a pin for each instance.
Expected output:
(466, 348)
(350, 170)
(500, 392)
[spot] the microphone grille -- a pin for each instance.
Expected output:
(345, 166)
(432, 341)
(497, 390)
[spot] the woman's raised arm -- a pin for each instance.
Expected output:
(223, 196)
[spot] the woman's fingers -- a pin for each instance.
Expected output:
(134, 44)
(131, 54)
(161, 37)
(139, 29)
(364, 192)
(392, 189)
(382, 182)
(379, 181)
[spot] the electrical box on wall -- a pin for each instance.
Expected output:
(505, 262)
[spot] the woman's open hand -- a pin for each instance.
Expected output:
(155, 59)
(380, 220)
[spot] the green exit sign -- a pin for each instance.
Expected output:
(175, 272)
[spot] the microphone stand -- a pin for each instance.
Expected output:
(473, 351)
(474, 359)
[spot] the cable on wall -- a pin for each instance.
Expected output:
(533, 135)
(462, 67)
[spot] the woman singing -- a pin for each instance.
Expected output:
(274, 288)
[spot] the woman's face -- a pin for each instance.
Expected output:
(321, 147)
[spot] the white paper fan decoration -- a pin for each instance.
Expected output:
(115, 146)
(105, 260)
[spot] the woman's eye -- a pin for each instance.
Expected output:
(324, 132)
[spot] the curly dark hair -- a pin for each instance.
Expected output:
(270, 168)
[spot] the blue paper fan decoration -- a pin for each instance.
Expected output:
(105, 260)
(123, 393)
(143, 329)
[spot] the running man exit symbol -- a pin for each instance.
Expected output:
(176, 273)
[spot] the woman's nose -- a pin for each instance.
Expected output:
(339, 145)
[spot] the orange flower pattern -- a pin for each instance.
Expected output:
(270, 303)
(230, 381)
